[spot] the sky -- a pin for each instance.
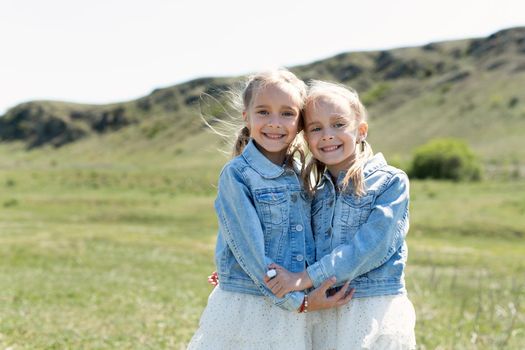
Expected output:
(103, 51)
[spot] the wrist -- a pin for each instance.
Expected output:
(306, 281)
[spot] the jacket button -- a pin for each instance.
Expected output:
(299, 227)
(330, 203)
(294, 198)
(329, 231)
(299, 257)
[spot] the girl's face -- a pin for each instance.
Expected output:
(273, 120)
(332, 132)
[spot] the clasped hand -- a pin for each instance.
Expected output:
(286, 281)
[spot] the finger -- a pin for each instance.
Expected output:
(276, 289)
(278, 279)
(341, 293)
(266, 279)
(347, 298)
(327, 284)
(350, 295)
(275, 266)
(272, 283)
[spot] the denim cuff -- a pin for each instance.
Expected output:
(268, 261)
(292, 301)
(317, 274)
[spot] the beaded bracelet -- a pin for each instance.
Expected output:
(304, 305)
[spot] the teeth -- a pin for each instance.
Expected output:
(330, 148)
(274, 136)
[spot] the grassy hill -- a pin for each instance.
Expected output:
(472, 89)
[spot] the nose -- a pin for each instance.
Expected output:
(327, 137)
(274, 122)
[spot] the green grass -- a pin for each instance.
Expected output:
(114, 254)
(103, 271)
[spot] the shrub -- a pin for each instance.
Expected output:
(445, 159)
(376, 93)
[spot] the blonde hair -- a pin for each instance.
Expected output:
(312, 176)
(241, 98)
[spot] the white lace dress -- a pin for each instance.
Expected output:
(383, 323)
(243, 321)
(377, 323)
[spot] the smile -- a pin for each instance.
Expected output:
(330, 148)
(273, 136)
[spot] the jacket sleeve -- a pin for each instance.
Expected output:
(241, 226)
(374, 242)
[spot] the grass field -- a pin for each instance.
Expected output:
(115, 256)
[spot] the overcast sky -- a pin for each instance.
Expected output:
(102, 51)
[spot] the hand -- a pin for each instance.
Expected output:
(286, 281)
(318, 300)
(213, 279)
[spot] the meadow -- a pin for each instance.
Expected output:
(104, 254)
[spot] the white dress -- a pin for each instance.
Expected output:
(382, 323)
(322, 325)
(378, 323)
(243, 321)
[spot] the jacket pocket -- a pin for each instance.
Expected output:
(356, 209)
(272, 203)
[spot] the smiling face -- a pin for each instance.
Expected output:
(332, 131)
(273, 120)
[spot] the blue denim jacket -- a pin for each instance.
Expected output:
(264, 217)
(362, 239)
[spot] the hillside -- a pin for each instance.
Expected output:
(472, 88)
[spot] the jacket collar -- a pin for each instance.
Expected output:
(376, 162)
(260, 163)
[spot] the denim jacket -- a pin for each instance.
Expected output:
(362, 238)
(264, 217)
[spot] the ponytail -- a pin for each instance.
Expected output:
(242, 140)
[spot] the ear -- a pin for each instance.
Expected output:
(362, 131)
(244, 116)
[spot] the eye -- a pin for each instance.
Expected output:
(339, 125)
(289, 114)
(314, 129)
(262, 112)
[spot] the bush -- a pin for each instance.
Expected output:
(375, 94)
(446, 159)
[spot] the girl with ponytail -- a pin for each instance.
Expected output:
(360, 220)
(264, 218)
